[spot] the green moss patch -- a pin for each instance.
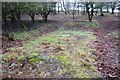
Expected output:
(72, 50)
(90, 25)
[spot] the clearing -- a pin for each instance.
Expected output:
(63, 48)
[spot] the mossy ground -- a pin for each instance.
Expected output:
(70, 49)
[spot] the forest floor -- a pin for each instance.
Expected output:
(62, 48)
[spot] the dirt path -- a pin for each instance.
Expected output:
(107, 48)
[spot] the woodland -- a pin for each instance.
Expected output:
(60, 40)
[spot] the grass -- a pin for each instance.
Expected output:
(93, 25)
(27, 34)
(21, 35)
(74, 52)
(90, 25)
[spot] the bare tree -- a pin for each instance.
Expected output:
(73, 10)
(78, 6)
(113, 6)
(58, 7)
(63, 7)
(83, 6)
(89, 10)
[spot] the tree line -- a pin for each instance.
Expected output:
(89, 8)
(13, 10)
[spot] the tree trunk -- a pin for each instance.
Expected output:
(107, 8)
(112, 10)
(78, 8)
(45, 17)
(58, 7)
(73, 16)
(96, 12)
(64, 8)
(89, 18)
(32, 17)
(18, 15)
(4, 18)
(13, 17)
(87, 10)
(90, 13)
(101, 12)
(84, 10)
